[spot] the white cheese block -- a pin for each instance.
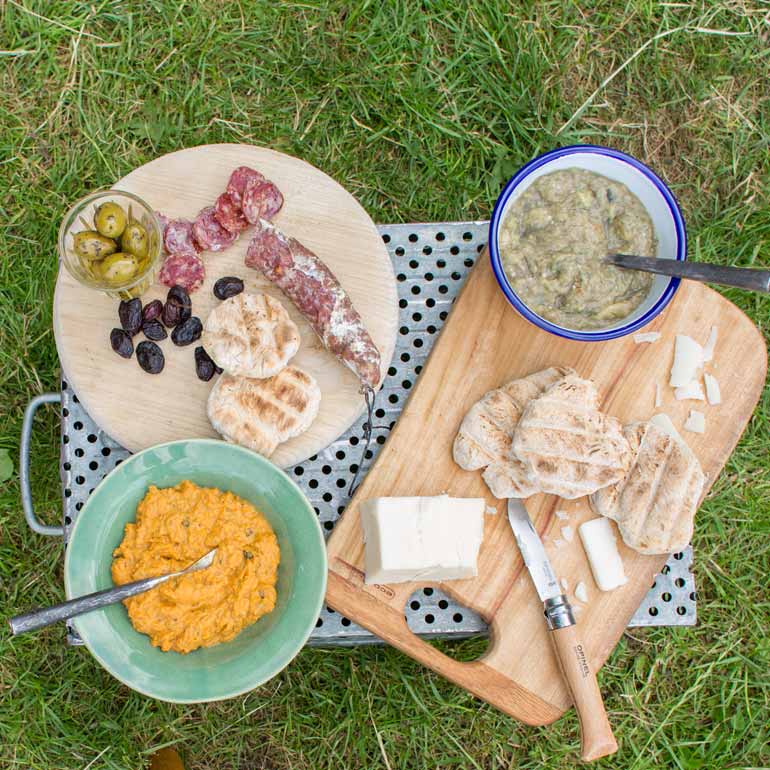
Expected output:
(602, 550)
(421, 538)
(712, 389)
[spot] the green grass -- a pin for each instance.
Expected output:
(421, 109)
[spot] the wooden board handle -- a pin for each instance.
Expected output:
(596, 735)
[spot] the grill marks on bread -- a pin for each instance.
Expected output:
(261, 414)
(655, 503)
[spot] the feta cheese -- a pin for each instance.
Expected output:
(696, 422)
(712, 389)
(688, 360)
(693, 390)
(711, 343)
(646, 337)
(601, 548)
(421, 538)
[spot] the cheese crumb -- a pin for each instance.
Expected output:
(696, 422)
(692, 391)
(646, 337)
(658, 396)
(491, 510)
(563, 515)
(581, 594)
(567, 533)
(565, 584)
(712, 389)
(558, 542)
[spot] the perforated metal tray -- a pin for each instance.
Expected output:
(431, 262)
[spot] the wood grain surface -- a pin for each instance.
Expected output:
(484, 344)
(138, 409)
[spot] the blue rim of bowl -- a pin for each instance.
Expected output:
(302, 639)
(512, 297)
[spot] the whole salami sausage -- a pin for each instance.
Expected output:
(209, 234)
(316, 292)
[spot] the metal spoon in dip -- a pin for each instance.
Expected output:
(40, 618)
(741, 277)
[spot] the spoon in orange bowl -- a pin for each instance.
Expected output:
(40, 618)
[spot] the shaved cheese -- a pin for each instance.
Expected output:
(688, 360)
(567, 533)
(693, 390)
(696, 422)
(563, 515)
(646, 337)
(663, 421)
(712, 389)
(565, 584)
(658, 397)
(711, 343)
(601, 547)
(581, 594)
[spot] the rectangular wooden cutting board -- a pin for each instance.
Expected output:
(485, 343)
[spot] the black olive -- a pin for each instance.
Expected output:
(121, 343)
(152, 310)
(179, 295)
(150, 357)
(172, 314)
(154, 330)
(130, 314)
(204, 365)
(187, 332)
(228, 286)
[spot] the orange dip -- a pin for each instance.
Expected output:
(175, 527)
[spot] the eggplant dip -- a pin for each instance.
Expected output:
(555, 237)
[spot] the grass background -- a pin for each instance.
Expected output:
(422, 109)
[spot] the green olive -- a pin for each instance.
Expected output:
(134, 239)
(110, 219)
(90, 245)
(119, 268)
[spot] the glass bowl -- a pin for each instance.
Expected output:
(87, 272)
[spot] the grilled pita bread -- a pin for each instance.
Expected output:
(568, 446)
(261, 414)
(251, 335)
(486, 432)
(655, 503)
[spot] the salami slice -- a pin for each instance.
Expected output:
(228, 213)
(185, 270)
(316, 292)
(209, 234)
(178, 237)
(239, 179)
(261, 200)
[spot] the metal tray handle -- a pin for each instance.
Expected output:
(26, 492)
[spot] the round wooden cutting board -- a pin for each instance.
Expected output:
(139, 409)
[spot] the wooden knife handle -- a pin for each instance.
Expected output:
(596, 735)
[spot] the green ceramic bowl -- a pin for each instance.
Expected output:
(259, 651)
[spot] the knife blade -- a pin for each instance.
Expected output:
(596, 735)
